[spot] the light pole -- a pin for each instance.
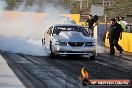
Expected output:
(104, 12)
(87, 3)
(80, 5)
(25, 3)
(103, 3)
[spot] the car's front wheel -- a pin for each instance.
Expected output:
(51, 51)
(92, 57)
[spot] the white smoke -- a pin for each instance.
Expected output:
(99, 45)
(3, 5)
(23, 34)
(26, 8)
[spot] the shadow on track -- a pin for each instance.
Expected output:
(72, 57)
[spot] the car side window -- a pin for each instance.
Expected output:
(48, 32)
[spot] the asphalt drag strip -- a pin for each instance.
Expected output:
(64, 71)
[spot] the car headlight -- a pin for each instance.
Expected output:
(89, 44)
(63, 43)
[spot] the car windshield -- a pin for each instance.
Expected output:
(58, 29)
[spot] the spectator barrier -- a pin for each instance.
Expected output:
(125, 42)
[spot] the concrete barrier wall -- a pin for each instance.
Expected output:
(38, 16)
(125, 42)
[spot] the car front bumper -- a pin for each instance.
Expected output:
(67, 50)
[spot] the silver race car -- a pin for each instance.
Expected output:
(68, 39)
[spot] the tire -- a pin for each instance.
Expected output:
(44, 41)
(92, 57)
(52, 55)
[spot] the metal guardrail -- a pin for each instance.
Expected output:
(129, 28)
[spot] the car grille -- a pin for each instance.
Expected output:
(76, 44)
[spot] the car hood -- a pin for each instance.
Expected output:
(73, 36)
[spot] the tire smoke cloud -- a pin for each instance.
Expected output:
(23, 34)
